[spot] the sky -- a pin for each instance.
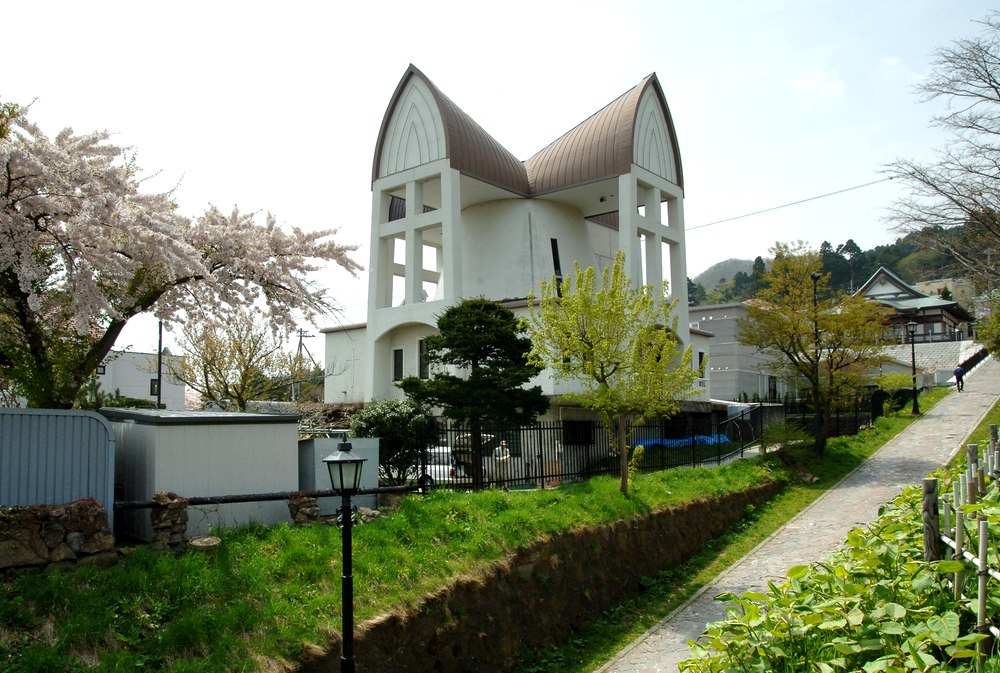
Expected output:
(276, 108)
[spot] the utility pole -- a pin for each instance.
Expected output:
(298, 358)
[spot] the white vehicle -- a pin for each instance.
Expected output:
(499, 465)
(440, 468)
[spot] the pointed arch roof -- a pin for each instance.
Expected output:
(602, 146)
(471, 149)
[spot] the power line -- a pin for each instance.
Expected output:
(793, 203)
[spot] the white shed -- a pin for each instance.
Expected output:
(204, 454)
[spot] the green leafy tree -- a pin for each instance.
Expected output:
(404, 429)
(484, 339)
(696, 293)
(988, 327)
(831, 341)
(619, 343)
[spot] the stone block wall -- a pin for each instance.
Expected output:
(45, 535)
(497, 619)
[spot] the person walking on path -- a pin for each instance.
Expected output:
(959, 378)
(820, 529)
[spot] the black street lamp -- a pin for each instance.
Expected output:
(345, 479)
(817, 419)
(911, 328)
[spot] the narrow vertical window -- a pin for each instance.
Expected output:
(422, 363)
(397, 364)
(557, 267)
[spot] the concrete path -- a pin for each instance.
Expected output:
(822, 527)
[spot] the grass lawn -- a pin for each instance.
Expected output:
(596, 645)
(268, 593)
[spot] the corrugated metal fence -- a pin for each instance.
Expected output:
(50, 456)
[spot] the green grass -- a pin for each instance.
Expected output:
(268, 592)
(603, 639)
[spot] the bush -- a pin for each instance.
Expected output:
(404, 429)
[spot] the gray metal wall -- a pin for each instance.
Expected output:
(50, 456)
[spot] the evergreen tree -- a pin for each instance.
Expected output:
(483, 338)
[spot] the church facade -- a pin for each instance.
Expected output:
(455, 215)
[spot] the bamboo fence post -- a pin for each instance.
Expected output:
(932, 522)
(959, 549)
(994, 448)
(971, 472)
(982, 626)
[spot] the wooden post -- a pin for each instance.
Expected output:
(971, 465)
(932, 525)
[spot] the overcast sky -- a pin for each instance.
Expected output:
(277, 107)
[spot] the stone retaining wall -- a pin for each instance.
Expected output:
(497, 619)
(44, 535)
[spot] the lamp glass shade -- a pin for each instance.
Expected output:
(911, 327)
(345, 469)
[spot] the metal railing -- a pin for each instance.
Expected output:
(548, 453)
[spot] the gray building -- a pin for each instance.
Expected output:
(734, 371)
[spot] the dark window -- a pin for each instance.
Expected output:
(556, 266)
(397, 364)
(100, 370)
(422, 359)
(578, 433)
(397, 208)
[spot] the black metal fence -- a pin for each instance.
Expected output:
(548, 453)
(554, 452)
(846, 417)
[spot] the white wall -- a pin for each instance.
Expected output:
(130, 374)
(205, 454)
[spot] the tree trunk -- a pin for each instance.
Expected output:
(622, 454)
(477, 453)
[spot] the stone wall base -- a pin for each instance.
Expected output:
(47, 535)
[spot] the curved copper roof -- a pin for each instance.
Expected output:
(472, 150)
(599, 148)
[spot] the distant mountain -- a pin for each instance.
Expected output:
(720, 271)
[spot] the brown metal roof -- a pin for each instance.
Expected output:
(599, 148)
(472, 150)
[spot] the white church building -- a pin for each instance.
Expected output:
(455, 216)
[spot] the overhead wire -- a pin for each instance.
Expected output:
(793, 203)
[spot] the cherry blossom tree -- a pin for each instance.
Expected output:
(83, 250)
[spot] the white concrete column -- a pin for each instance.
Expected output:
(628, 233)
(451, 235)
(678, 269)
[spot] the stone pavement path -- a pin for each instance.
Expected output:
(823, 526)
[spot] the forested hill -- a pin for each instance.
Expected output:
(848, 265)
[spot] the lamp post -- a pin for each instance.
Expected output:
(911, 328)
(345, 479)
(817, 419)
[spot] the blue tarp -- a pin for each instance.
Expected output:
(671, 443)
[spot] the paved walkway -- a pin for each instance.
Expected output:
(822, 527)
